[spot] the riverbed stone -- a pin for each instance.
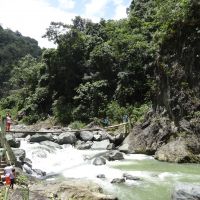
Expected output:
(84, 145)
(186, 192)
(118, 180)
(41, 137)
(97, 137)
(27, 169)
(124, 148)
(111, 146)
(20, 154)
(72, 189)
(113, 155)
(67, 138)
(176, 151)
(86, 135)
(99, 161)
(100, 145)
(51, 144)
(130, 177)
(101, 176)
(12, 141)
(39, 172)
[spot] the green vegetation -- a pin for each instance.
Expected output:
(98, 69)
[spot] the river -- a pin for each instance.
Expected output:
(157, 179)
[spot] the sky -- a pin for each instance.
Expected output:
(32, 17)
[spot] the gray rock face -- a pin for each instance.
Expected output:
(99, 161)
(41, 137)
(101, 145)
(148, 138)
(86, 135)
(67, 138)
(186, 192)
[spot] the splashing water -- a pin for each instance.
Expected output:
(156, 178)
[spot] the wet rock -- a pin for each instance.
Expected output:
(41, 137)
(124, 148)
(111, 146)
(118, 180)
(130, 177)
(12, 141)
(101, 145)
(113, 155)
(27, 169)
(72, 189)
(67, 138)
(186, 192)
(51, 144)
(86, 135)
(28, 162)
(176, 151)
(39, 172)
(101, 176)
(99, 161)
(20, 154)
(84, 145)
(97, 137)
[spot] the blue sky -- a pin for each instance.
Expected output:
(32, 17)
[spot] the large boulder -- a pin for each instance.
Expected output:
(72, 189)
(20, 154)
(186, 192)
(86, 135)
(99, 161)
(100, 145)
(83, 145)
(147, 138)
(67, 138)
(177, 151)
(51, 144)
(113, 155)
(41, 137)
(12, 141)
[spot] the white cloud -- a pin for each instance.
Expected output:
(31, 17)
(66, 4)
(95, 10)
(120, 9)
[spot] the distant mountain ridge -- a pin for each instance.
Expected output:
(13, 46)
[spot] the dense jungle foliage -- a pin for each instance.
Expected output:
(98, 69)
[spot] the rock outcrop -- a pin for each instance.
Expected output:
(172, 128)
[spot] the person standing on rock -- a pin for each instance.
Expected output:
(12, 178)
(8, 121)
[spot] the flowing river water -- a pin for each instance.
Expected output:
(157, 179)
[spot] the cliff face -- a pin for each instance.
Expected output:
(178, 72)
(171, 130)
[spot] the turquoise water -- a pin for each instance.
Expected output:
(157, 179)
